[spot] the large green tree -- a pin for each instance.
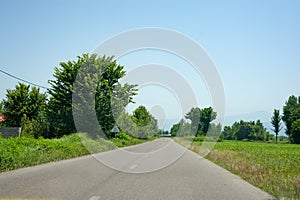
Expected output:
(276, 123)
(60, 104)
(291, 113)
(88, 85)
(22, 101)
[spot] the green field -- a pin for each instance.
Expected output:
(275, 168)
(22, 152)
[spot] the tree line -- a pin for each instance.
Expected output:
(198, 122)
(94, 80)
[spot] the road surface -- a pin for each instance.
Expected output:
(137, 175)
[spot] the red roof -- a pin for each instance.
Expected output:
(2, 119)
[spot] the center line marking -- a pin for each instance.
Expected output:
(95, 198)
(133, 166)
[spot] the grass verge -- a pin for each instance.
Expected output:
(275, 168)
(22, 152)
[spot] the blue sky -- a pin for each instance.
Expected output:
(255, 45)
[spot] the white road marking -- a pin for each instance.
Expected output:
(95, 198)
(133, 166)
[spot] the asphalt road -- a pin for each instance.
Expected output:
(161, 169)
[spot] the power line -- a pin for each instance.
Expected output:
(23, 80)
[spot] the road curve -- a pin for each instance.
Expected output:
(161, 169)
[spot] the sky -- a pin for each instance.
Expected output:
(254, 45)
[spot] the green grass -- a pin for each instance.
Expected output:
(22, 152)
(275, 168)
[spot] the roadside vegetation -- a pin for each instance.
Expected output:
(48, 119)
(19, 152)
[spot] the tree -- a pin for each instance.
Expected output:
(88, 85)
(276, 123)
(296, 131)
(207, 115)
(175, 129)
(201, 119)
(145, 123)
(194, 116)
(291, 113)
(60, 105)
(243, 130)
(122, 96)
(227, 133)
(20, 102)
(141, 116)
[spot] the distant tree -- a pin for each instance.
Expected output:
(207, 115)
(291, 113)
(296, 131)
(141, 116)
(200, 119)
(243, 130)
(215, 130)
(163, 132)
(228, 133)
(175, 130)
(146, 124)
(194, 116)
(276, 123)
(20, 102)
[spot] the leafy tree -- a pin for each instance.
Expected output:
(296, 131)
(276, 123)
(207, 115)
(194, 116)
(175, 129)
(141, 116)
(291, 112)
(60, 105)
(96, 78)
(227, 133)
(22, 101)
(122, 96)
(163, 132)
(145, 123)
(243, 130)
(200, 119)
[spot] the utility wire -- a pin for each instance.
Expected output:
(23, 80)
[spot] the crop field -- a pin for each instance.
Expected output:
(275, 168)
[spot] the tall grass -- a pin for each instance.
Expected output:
(23, 151)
